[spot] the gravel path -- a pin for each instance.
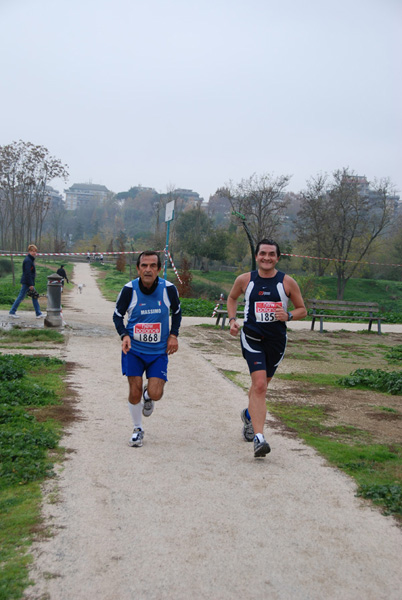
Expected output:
(192, 514)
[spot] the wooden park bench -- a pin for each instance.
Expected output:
(341, 306)
(221, 313)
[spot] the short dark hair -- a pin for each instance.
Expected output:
(149, 253)
(268, 242)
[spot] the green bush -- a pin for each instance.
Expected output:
(5, 266)
(12, 414)
(388, 495)
(206, 291)
(194, 307)
(394, 355)
(381, 381)
(26, 393)
(9, 368)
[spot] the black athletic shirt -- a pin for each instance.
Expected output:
(261, 296)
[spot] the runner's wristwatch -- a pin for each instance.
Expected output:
(290, 316)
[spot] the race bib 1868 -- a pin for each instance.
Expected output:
(147, 332)
(265, 311)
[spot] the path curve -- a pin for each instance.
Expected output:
(192, 513)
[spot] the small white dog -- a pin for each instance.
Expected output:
(80, 287)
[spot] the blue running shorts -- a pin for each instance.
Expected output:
(133, 364)
(262, 354)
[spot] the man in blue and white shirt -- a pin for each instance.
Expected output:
(147, 338)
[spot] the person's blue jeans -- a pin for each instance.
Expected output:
(23, 292)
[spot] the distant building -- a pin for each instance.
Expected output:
(53, 196)
(219, 209)
(80, 193)
(363, 186)
(186, 199)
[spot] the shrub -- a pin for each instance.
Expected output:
(388, 495)
(205, 291)
(184, 286)
(9, 369)
(5, 266)
(382, 381)
(192, 307)
(394, 355)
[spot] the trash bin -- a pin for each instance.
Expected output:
(54, 289)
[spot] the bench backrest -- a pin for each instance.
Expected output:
(342, 305)
(222, 304)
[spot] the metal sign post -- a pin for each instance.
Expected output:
(249, 236)
(169, 216)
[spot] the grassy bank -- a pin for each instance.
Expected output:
(30, 403)
(207, 287)
(311, 405)
(9, 291)
(376, 468)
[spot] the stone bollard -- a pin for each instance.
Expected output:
(54, 288)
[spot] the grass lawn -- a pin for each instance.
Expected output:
(31, 392)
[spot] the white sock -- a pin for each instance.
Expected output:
(260, 437)
(146, 395)
(136, 414)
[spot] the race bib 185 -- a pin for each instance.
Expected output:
(147, 332)
(265, 311)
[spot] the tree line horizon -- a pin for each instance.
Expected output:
(337, 216)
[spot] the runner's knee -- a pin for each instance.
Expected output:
(259, 383)
(155, 389)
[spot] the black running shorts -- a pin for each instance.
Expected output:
(262, 354)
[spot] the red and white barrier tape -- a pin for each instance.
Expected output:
(172, 263)
(221, 299)
(92, 254)
(215, 309)
(363, 262)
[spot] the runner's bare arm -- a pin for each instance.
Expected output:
(239, 287)
(293, 291)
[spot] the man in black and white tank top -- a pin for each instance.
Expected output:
(263, 336)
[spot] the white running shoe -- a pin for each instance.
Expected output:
(137, 438)
(261, 448)
(41, 316)
(13, 316)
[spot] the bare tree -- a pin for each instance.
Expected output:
(262, 200)
(343, 222)
(25, 171)
(312, 223)
(57, 216)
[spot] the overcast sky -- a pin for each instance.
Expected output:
(195, 93)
